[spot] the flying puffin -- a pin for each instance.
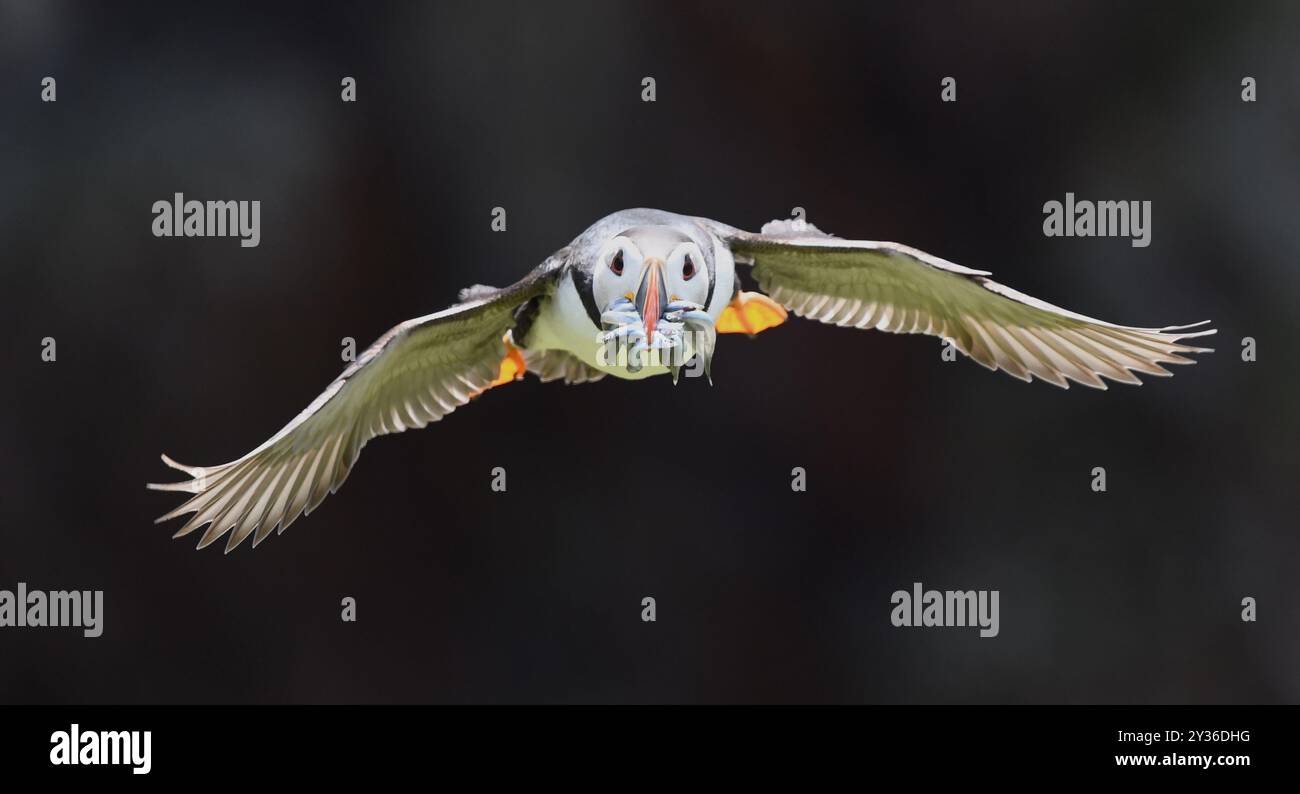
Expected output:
(644, 292)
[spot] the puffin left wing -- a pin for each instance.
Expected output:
(418, 372)
(895, 288)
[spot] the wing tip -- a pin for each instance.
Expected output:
(210, 537)
(193, 471)
(259, 536)
(193, 485)
(184, 530)
(1189, 325)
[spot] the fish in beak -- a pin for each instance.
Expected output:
(651, 328)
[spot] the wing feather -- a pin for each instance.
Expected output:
(415, 374)
(892, 287)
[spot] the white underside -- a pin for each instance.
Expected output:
(563, 324)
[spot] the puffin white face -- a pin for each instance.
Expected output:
(650, 284)
(651, 266)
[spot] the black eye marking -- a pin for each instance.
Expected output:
(616, 264)
(688, 268)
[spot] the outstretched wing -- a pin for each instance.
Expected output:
(416, 373)
(894, 288)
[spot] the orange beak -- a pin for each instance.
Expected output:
(651, 295)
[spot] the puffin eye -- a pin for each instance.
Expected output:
(616, 264)
(688, 268)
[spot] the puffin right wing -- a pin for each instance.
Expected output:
(417, 373)
(892, 287)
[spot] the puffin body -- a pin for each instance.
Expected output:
(640, 293)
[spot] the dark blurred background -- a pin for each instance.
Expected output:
(918, 470)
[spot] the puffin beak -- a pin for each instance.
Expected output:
(651, 295)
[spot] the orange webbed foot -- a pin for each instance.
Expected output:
(512, 366)
(750, 313)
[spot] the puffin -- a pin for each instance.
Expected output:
(640, 293)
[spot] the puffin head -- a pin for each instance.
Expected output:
(651, 284)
